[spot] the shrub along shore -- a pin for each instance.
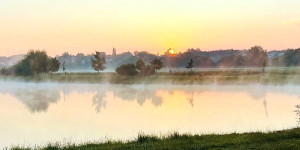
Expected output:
(287, 139)
(290, 76)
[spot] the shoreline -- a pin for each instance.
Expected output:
(285, 139)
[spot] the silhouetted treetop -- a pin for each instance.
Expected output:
(36, 62)
(98, 61)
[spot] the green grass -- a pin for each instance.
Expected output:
(205, 77)
(287, 139)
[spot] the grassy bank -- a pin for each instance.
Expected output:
(287, 139)
(204, 77)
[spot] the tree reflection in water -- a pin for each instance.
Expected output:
(38, 100)
(139, 94)
(259, 93)
(99, 101)
(38, 96)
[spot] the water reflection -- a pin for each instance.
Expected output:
(139, 93)
(37, 100)
(37, 97)
(191, 99)
(99, 101)
(126, 94)
(93, 111)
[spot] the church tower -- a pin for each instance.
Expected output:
(114, 52)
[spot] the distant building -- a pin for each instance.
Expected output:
(114, 52)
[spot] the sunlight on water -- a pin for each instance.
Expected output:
(37, 113)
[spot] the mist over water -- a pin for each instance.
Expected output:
(38, 113)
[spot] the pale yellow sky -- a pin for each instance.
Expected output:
(152, 25)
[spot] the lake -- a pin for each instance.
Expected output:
(39, 113)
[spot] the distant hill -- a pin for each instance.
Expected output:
(10, 61)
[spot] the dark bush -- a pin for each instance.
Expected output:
(127, 70)
(36, 62)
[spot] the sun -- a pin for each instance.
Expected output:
(172, 52)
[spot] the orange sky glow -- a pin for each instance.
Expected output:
(143, 25)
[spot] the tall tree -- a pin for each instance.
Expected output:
(127, 70)
(38, 61)
(190, 65)
(53, 65)
(256, 56)
(98, 62)
(35, 62)
(156, 64)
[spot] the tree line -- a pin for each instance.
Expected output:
(37, 62)
(144, 63)
(129, 69)
(140, 68)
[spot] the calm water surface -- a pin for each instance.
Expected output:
(38, 113)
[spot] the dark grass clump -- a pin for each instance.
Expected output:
(146, 138)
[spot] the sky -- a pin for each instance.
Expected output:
(84, 26)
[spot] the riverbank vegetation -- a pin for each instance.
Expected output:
(230, 58)
(284, 76)
(287, 139)
(38, 66)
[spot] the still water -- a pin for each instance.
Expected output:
(38, 113)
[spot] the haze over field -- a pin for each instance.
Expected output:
(85, 26)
